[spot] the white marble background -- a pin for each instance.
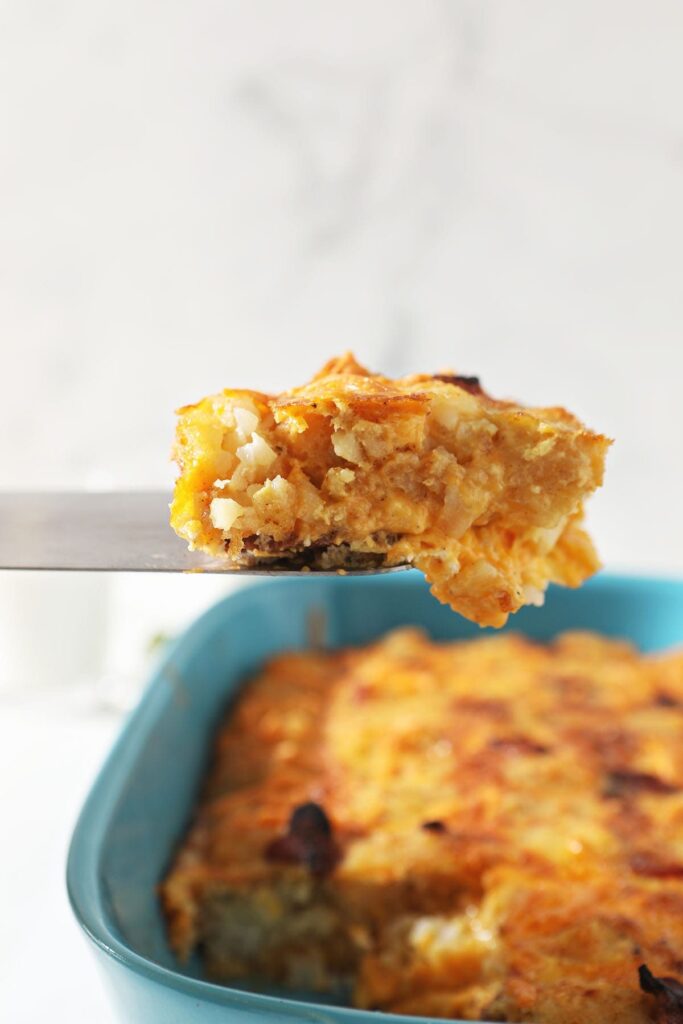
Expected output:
(219, 192)
(197, 194)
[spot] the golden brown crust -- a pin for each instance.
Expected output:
(509, 818)
(484, 496)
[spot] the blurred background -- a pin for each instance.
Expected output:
(196, 195)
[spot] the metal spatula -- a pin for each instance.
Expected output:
(118, 531)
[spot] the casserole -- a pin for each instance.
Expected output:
(139, 805)
(355, 470)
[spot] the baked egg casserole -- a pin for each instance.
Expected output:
(489, 830)
(355, 470)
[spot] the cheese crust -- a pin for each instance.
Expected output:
(490, 830)
(355, 470)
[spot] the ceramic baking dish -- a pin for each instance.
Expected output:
(139, 804)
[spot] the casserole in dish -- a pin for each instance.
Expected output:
(140, 804)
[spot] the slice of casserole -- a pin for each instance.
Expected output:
(355, 470)
(490, 830)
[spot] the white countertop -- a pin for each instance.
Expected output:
(51, 745)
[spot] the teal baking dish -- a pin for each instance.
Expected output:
(141, 800)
